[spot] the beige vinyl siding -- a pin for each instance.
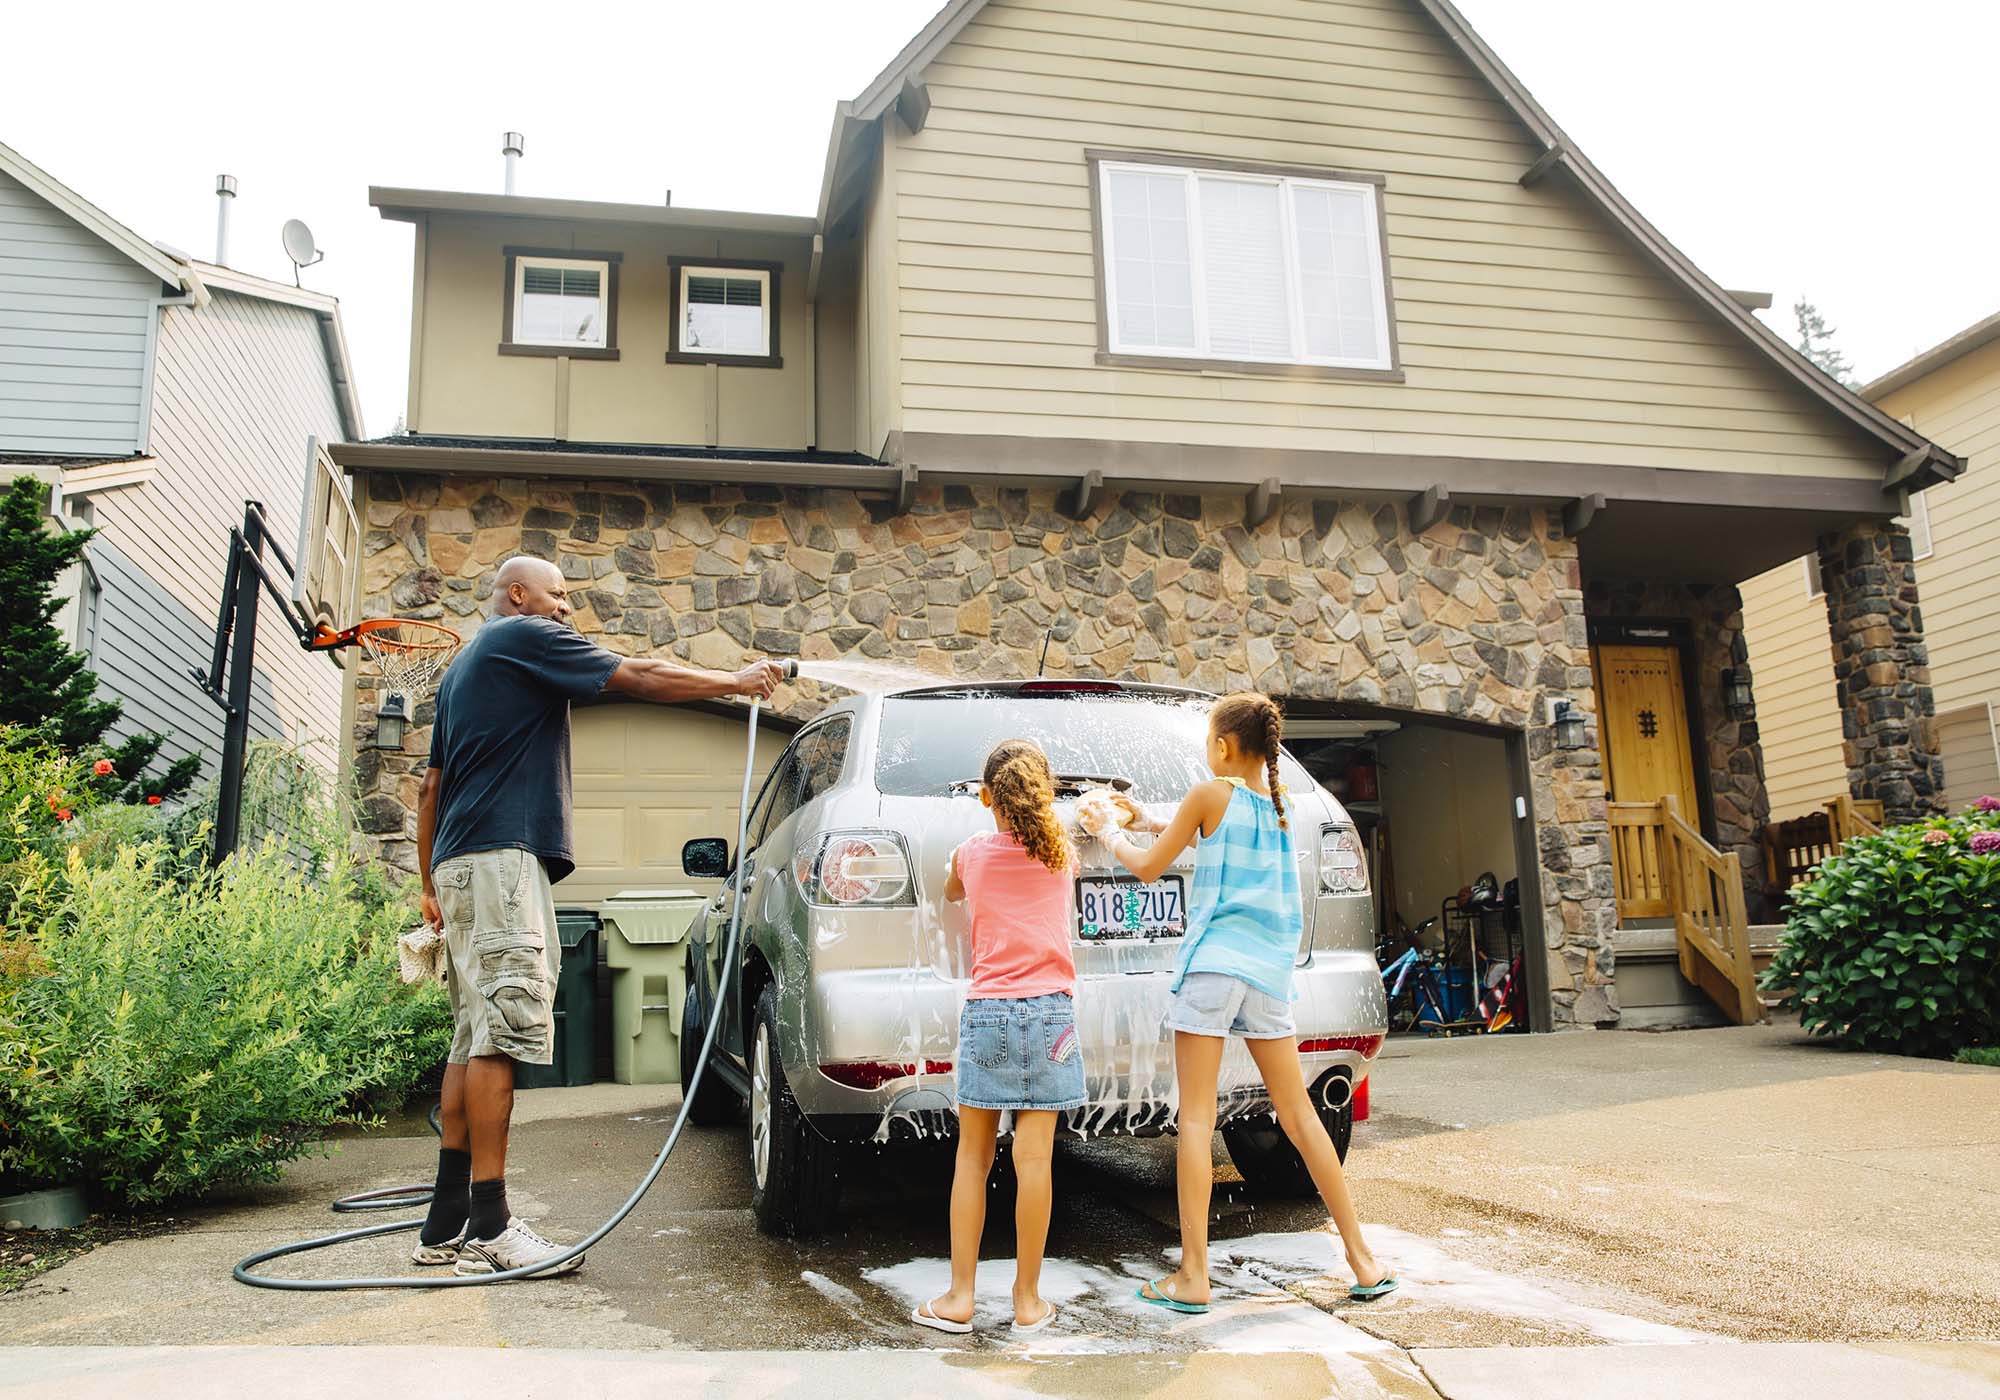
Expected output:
(883, 300)
(1971, 762)
(238, 387)
(74, 318)
(1527, 327)
(465, 386)
(1798, 712)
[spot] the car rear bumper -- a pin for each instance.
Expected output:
(903, 1023)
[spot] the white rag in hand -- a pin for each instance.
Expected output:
(1099, 813)
(420, 955)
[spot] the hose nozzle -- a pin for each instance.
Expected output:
(790, 669)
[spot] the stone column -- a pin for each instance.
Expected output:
(1881, 669)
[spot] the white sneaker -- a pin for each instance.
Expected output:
(515, 1247)
(446, 1253)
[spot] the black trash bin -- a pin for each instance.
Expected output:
(576, 1007)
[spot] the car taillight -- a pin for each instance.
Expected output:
(1343, 865)
(873, 1074)
(850, 869)
(1369, 1046)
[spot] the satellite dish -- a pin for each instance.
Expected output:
(299, 247)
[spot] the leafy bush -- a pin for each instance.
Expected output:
(1894, 944)
(166, 1030)
(1988, 1055)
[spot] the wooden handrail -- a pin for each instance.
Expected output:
(1638, 859)
(1711, 918)
(1851, 817)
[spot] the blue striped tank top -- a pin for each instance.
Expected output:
(1244, 918)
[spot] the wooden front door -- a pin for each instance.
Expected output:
(1645, 727)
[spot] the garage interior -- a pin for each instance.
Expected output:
(1435, 803)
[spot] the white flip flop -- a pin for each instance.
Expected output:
(1022, 1329)
(924, 1317)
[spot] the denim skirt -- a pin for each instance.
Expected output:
(1019, 1053)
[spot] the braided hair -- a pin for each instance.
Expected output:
(1257, 725)
(1023, 789)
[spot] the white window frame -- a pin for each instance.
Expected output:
(1288, 224)
(1917, 522)
(602, 326)
(759, 275)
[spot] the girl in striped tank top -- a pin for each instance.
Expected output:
(1234, 977)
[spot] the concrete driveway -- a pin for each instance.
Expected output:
(1637, 1205)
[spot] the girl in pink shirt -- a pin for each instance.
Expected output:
(1017, 1045)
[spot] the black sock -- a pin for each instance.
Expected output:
(450, 1199)
(489, 1215)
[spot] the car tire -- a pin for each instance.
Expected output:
(1266, 1159)
(713, 1102)
(794, 1172)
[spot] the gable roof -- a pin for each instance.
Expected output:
(193, 278)
(1918, 461)
(1972, 338)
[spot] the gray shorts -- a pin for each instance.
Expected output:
(1214, 1003)
(500, 938)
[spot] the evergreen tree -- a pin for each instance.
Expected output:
(1816, 342)
(43, 684)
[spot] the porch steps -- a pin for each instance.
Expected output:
(1652, 994)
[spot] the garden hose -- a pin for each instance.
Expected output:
(395, 1197)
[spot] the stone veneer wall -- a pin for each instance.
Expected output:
(1881, 669)
(1738, 800)
(1480, 616)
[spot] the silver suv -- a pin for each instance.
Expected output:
(840, 1018)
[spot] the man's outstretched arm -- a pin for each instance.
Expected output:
(427, 820)
(663, 682)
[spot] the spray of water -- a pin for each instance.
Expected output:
(867, 677)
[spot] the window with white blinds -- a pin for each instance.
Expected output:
(558, 301)
(724, 311)
(1245, 267)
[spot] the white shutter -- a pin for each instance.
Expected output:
(1918, 523)
(1151, 273)
(1243, 268)
(1337, 273)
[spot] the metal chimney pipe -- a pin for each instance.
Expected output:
(510, 147)
(225, 195)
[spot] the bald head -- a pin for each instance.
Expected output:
(531, 586)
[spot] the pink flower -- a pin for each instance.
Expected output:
(1987, 804)
(1986, 843)
(102, 767)
(1936, 836)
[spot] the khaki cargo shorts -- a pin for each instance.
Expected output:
(505, 955)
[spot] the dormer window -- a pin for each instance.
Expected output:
(560, 303)
(1258, 269)
(725, 313)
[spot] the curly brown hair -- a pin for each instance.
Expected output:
(1257, 725)
(1023, 789)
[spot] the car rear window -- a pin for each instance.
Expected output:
(928, 742)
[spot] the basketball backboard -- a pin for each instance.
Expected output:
(329, 544)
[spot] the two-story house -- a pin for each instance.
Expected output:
(155, 394)
(1278, 345)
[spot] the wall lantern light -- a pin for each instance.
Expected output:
(1737, 700)
(390, 717)
(1569, 726)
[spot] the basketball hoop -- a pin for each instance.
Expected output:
(410, 654)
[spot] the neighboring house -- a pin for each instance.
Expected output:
(156, 394)
(1951, 394)
(1285, 345)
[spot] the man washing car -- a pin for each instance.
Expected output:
(493, 835)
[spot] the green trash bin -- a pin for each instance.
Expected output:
(645, 932)
(576, 1008)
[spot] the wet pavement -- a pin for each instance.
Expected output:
(1588, 1190)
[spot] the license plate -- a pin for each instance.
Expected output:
(1110, 907)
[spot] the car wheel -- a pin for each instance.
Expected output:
(713, 1101)
(794, 1172)
(1266, 1159)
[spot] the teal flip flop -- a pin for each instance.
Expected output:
(1159, 1299)
(1386, 1285)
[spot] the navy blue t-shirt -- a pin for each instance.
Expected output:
(501, 740)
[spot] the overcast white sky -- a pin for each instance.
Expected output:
(1839, 149)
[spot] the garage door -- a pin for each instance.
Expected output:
(647, 778)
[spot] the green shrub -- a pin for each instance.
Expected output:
(1988, 1055)
(166, 1030)
(1894, 944)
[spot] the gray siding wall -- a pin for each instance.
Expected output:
(74, 318)
(238, 386)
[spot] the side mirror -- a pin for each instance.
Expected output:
(705, 858)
